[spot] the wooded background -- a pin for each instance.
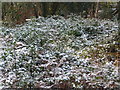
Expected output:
(18, 12)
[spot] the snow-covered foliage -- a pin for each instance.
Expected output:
(46, 52)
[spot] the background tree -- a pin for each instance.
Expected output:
(17, 12)
(119, 11)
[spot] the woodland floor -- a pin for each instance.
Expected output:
(55, 52)
(1, 50)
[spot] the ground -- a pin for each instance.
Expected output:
(49, 52)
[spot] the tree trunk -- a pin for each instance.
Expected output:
(35, 10)
(119, 18)
(119, 11)
(44, 9)
(96, 11)
(54, 7)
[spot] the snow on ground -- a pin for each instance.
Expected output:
(47, 51)
(1, 50)
(2, 47)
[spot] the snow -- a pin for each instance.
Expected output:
(58, 49)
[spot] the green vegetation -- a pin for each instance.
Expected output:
(46, 52)
(60, 45)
